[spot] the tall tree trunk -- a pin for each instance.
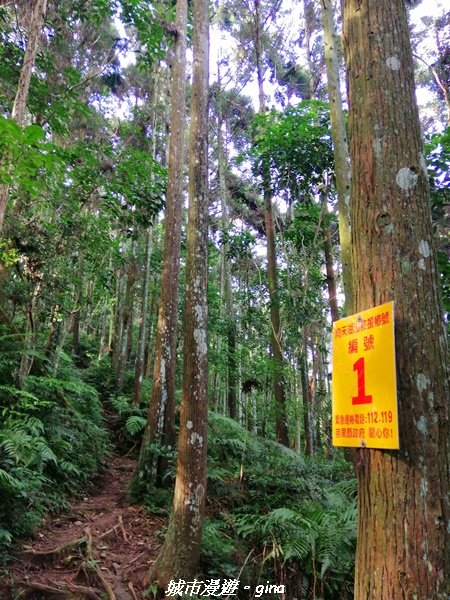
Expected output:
(101, 345)
(403, 530)
(27, 358)
(75, 319)
(226, 276)
(54, 338)
(281, 426)
(149, 346)
(140, 353)
(307, 416)
(323, 423)
(127, 322)
(312, 386)
(20, 102)
(329, 266)
(117, 321)
(309, 16)
(160, 429)
(76, 332)
(181, 550)
(340, 148)
(298, 412)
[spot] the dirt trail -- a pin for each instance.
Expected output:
(102, 548)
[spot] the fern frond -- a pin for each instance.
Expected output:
(34, 425)
(5, 536)
(46, 454)
(69, 468)
(297, 548)
(16, 444)
(134, 424)
(120, 404)
(13, 391)
(9, 481)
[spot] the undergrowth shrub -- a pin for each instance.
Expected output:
(127, 422)
(221, 551)
(52, 440)
(100, 374)
(276, 517)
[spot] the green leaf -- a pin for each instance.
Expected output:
(134, 424)
(33, 133)
(9, 481)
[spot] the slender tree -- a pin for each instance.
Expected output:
(181, 550)
(161, 418)
(140, 352)
(329, 266)
(340, 146)
(402, 549)
(226, 289)
(279, 390)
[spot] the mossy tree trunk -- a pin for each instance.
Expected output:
(402, 550)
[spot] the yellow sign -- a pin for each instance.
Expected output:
(364, 387)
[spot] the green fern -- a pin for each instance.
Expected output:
(297, 548)
(134, 424)
(30, 401)
(9, 481)
(45, 453)
(70, 468)
(121, 404)
(5, 536)
(48, 444)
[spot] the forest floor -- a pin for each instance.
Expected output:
(102, 547)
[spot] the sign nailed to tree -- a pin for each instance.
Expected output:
(364, 389)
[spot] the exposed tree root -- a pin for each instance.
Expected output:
(93, 566)
(55, 554)
(132, 590)
(114, 529)
(89, 567)
(133, 560)
(122, 529)
(34, 586)
(89, 592)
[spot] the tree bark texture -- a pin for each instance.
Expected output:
(340, 148)
(402, 549)
(329, 266)
(181, 550)
(161, 419)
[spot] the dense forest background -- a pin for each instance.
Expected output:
(90, 251)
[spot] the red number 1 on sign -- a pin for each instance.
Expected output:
(361, 398)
